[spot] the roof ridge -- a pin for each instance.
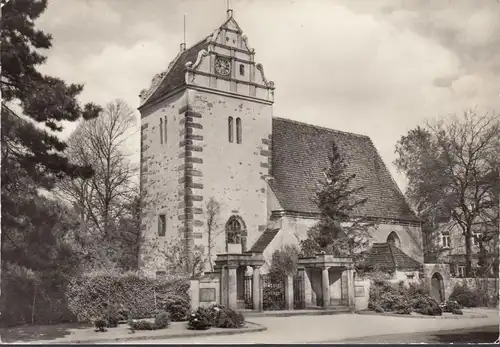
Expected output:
(320, 127)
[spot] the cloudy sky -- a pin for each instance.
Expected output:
(374, 67)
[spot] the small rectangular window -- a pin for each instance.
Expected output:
(242, 70)
(446, 241)
(461, 271)
(475, 238)
(162, 225)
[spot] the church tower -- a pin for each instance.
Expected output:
(206, 127)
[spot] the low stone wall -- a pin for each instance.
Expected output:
(205, 291)
(361, 294)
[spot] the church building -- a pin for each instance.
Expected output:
(208, 131)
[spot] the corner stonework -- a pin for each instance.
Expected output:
(191, 178)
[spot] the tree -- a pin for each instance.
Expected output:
(284, 263)
(44, 99)
(32, 157)
(452, 166)
(182, 264)
(341, 229)
(106, 200)
(212, 214)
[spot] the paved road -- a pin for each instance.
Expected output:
(317, 329)
(487, 334)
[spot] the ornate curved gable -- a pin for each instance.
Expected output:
(196, 67)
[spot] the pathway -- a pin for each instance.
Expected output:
(315, 329)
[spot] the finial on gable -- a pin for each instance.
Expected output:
(229, 13)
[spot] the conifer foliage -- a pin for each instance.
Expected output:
(341, 230)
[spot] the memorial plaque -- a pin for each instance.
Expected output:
(359, 291)
(207, 294)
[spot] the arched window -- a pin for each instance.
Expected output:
(230, 128)
(393, 238)
(242, 70)
(233, 231)
(161, 131)
(238, 130)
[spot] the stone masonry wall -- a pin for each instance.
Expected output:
(160, 179)
(231, 173)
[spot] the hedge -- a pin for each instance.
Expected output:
(89, 294)
(26, 301)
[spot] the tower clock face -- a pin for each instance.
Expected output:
(222, 66)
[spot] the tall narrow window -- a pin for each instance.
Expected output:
(238, 130)
(242, 70)
(230, 128)
(162, 225)
(161, 131)
(165, 124)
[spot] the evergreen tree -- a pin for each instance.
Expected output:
(341, 229)
(46, 100)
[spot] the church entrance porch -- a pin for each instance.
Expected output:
(328, 281)
(240, 280)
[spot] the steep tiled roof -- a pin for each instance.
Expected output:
(175, 77)
(264, 240)
(300, 156)
(387, 256)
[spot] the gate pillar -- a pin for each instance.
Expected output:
(232, 287)
(289, 292)
(256, 297)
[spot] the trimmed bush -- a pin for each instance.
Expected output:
(224, 317)
(201, 319)
(141, 325)
(88, 295)
(465, 296)
(178, 307)
(162, 320)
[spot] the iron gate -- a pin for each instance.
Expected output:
(248, 292)
(273, 293)
(299, 297)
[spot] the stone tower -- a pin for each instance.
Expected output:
(205, 133)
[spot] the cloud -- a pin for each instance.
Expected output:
(377, 68)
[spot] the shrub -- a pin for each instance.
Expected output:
(100, 325)
(178, 307)
(124, 314)
(425, 304)
(88, 294)
(465, 296)
(111, 316)
(141, 325)
(450, 306)
(224, 317)
(386, 297)
(201, 319)
(162, 320)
